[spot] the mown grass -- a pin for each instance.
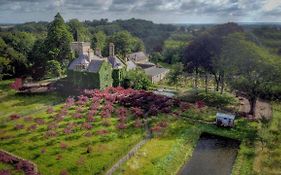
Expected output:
(9, 168)
(107, 149)
(11, 102)
(167, 153)
(47, 152)
(267, 158)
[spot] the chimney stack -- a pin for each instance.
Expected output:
(98, 52)
(111, 49)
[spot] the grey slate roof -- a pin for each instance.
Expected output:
(153, 71)
(115, 62)
(82, 59)
(95, 65)
(131, 65)
(137, 57)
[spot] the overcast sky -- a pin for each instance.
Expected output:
(160, 11)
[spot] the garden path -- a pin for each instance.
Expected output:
(263, 108)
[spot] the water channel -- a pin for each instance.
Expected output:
(213, 155)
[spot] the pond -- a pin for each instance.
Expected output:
(213, 155)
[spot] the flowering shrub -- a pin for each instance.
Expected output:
(51, 133)
(88, 134)
(121, 126)
(39, 121)
(14, 116)
(90, 118)
(200, 104)
(138, 123)
(63, 145)
(27, 119)
(138, 112)
(5, 172)
(77, 115)
(52, 125)
(87, 125)
(64, 172)
(102, 132)
(70, 101)
(17, 84)
(19, 164)
(19, 126)
(50, 110)
(32, 127)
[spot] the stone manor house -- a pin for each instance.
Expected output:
(92, 70)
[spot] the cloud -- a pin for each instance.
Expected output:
(159, 10)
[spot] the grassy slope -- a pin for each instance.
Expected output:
(164, 154)
(268, 156)
(167, 153)
(29, 144)
(106, 149)
(11, 103)
(10, 168)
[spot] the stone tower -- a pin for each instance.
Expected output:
(111, 49)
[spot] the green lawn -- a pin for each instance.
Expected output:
(10, 168)
(166, 153)
(47, 153)
(11, 103)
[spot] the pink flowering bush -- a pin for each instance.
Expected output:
(15, 116)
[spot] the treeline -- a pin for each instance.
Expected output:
(33, 48)
(234, 59)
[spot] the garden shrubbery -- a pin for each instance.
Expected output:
(213, 99)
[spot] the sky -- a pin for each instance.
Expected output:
(159, 11)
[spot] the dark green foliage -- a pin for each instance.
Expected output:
(214, 99)
(79, 31)
(34, 27)
(136, 79)
(175, 74)
(153, 35)
(12, 62)
(269, 37)
(89, 80)
(174, 47)
(125, 43)
(53, 69)
(156, 57)
(253, 70)
(118, 76)
(99, 41)
(57, 43)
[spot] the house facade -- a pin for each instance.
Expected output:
(91, 70)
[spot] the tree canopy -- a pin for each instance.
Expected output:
(58, 40)
(250, 69)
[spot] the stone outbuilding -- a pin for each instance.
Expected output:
(156, 74)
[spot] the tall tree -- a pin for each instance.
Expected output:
(57, 43)
(202, 51)
(249, 68)
(99, 40)
(79, 31)
(175, 75)
(125, 43)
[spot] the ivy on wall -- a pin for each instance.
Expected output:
(90, 80)
(118, 76)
